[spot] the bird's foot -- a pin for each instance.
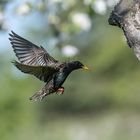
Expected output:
(60, 91)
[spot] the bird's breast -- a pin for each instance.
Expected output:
(60, 79)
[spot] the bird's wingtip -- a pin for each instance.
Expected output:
(12, 33)
(13, 61)
(10, 38)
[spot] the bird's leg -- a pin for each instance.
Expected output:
(60, 91)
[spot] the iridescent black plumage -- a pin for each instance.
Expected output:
(35, 60)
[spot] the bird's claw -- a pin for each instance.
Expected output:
(60, 91)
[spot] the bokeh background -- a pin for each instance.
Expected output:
(102, 104)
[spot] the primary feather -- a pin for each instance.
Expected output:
(29, 53)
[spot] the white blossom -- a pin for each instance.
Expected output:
(69, 50)
(1, 17)
(100, 7)
(24, 9)
(82, 20)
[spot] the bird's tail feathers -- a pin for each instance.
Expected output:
(38, 96)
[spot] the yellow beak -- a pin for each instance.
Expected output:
(85, 68)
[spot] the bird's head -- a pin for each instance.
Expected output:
(76, 65)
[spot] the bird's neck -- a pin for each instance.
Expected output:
(62, 75)
(60, 78)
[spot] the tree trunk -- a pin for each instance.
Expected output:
(126, 15)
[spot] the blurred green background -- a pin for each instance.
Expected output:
(102, 104)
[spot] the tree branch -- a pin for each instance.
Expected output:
(126, 15)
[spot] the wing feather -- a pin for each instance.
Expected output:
(29, 53)
(41, 72)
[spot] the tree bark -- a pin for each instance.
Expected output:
(126, 15)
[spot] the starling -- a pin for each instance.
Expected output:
(37, 61)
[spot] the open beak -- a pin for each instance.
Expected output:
(85, 68)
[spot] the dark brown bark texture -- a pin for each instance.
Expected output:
(126, 15)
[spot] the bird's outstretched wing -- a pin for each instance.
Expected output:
(41, 72)
(29, 53)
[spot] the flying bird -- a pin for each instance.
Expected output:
(35, 60)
